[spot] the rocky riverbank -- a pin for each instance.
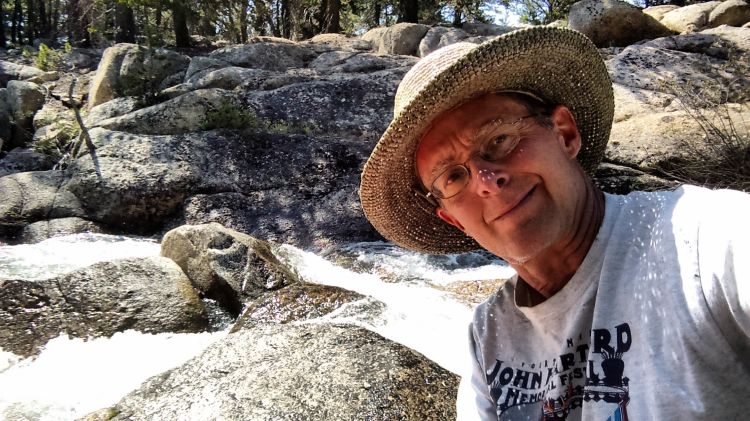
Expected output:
(220, 152)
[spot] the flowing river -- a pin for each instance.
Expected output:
(423, 302)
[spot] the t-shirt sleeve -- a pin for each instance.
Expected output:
(724, 260)
(482, 401)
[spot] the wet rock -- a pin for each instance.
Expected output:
(312, 371)
(225, 265)
(730, 12)
(690, 18)
(148, 294)
(301, 301)
(276, 56)
(42, 230)
(613, 23)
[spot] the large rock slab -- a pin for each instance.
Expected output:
(356, 105)
(699, 61)
(225, 265)
(288, 188)
(613, 23)
(184, 114)
(276, 56)
(147, 294)
(24, 160)
(307, 372)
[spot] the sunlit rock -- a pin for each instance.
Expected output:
(225, 265)
(310, 372)
(690, 18)
(613, 23)
(42, 230)
(147, 294)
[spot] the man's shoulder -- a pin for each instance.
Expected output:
(487, 309)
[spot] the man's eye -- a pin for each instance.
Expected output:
(499, 146)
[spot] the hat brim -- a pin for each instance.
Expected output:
(560, 66)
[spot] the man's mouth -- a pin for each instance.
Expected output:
(522, 200)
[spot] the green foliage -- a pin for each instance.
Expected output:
(47, 58)
(229, 116)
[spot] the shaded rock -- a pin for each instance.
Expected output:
(24, 160)
(54, 138)
(326, 61)
(113, 108)
(51, 111)
(440, 36)
(44, 77)
(401, 38)
(658, 12)
(61, 89)
(12, 71)
(42, 230)
(200, 64)
(312, 371)
(147, 294)
(265, 55)
(79, 58)
(5, 117)
(129, 69)
(225, 265)
(357, 105)
(617, 179)
(689, 18)
(301, 301)
(34, 196)
(730, 12)
(613, 23)
(186, 113)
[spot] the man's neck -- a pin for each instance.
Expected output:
(549, 272)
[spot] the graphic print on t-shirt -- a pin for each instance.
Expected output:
(553, 388)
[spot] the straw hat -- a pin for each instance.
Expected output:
(560, 66)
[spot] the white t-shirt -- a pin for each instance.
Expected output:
(654, 325)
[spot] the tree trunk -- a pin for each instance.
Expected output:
(42, 20)
(457, 16)
(286, 19)
(179, 18)
(409, 11)
(377, 9)
(30, 21)
(243, 21)
(2, 26)
(332, 20)
(262, 16)
(15, 30)
(124, 23)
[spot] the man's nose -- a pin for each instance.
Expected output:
(488, 178)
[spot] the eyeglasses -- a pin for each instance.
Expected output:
(495, 143)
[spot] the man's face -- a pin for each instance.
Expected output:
(528, 203)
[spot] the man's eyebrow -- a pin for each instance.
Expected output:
(440, 166)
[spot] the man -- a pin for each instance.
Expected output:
(625, 307)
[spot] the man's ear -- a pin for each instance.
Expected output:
(447, 217)
(566, 129)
